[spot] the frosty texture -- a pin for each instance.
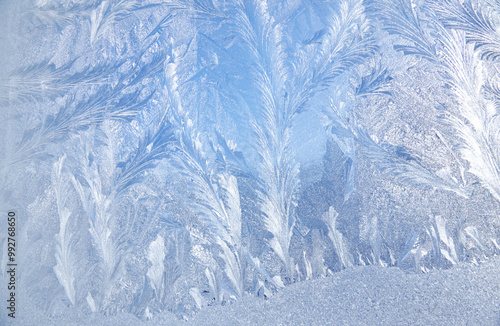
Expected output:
(165, 156)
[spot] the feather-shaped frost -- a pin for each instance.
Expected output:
(399, 163)
(108, 14)
(336, 121)
(377, 82)
(475, 120)
(151, 149)
(277, 172)
(121, 102)
(402, 18)
(99, 201)
(64, 269)
(208, 180)
(156, 256)
(476, 21)
(392, 160)
(338, 240)
(345, 43)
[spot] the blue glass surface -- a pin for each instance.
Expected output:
(161, 157)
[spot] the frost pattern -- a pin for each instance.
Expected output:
(170, 155)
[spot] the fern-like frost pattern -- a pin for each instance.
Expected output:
(171, 155)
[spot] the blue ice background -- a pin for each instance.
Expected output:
(168, 156)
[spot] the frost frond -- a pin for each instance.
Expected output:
(401, 18)
(475, 21)
(399, 163)
(343, 44)
(152, 148)
(108, 14)
(475, 120)
(156, 256)
(277, 173)
(206, 10)
(377, 82)
(338, 240)
(65, 255)
(208, 181)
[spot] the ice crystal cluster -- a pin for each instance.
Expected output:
(165, 156)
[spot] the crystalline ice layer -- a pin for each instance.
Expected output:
(214, 160)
